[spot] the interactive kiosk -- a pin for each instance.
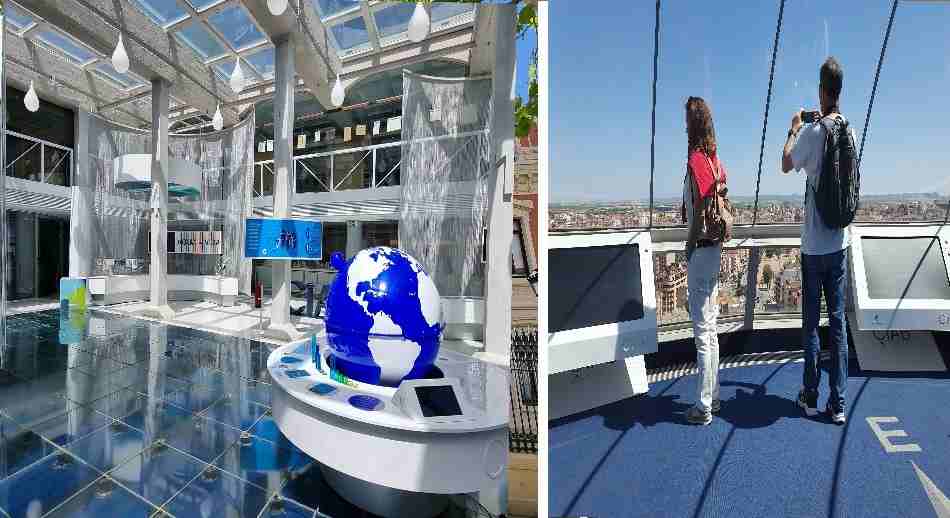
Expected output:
(601, 317)
(900, 279)
(396, 423)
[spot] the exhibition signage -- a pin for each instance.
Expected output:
(207, 242)
(273, 238)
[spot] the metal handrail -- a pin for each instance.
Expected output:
(43, 144)
(333, 185)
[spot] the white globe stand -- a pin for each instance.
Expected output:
(382, 459)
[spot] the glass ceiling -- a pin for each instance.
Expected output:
(393, 19)
(350, 34)
(200, 39)
(69, 46)
(125, 81)
(162, 12)
(328, 8)
(223, 30)
(18, 19)
(237, 28)
(200, 5)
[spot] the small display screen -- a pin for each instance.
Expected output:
(594, 285)
(438, 401)
(905, 268)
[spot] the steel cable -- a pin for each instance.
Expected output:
(768, 102)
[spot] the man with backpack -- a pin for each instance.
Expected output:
(823, 145)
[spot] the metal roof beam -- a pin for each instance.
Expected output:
(317, 62)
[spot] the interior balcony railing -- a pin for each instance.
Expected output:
(30, 158)
(367, 167)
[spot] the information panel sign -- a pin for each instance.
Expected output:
(271, 238)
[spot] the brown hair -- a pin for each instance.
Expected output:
(699, 126)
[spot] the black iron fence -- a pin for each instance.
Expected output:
(523, 385)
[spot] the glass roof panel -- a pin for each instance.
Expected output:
(393, 19)
(445, 10)
(126, 81)
(328, 8)
(18, 19)
(201, 5)
(162, 12)
(350, 34)
(201, 40)
(263, 62)
(236, 27)
(66, 45)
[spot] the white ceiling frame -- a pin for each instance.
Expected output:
(87, 66)
(88, 95)
(204, 18)
(370, 20)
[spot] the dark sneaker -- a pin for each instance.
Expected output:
(716, 405)
(695, 415)
(808, 401)
(835, 413)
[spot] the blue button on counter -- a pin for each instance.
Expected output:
(296, 374)
(368, 403)
(290, 359)
(323, 389)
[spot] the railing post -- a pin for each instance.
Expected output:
(751, 291)
(331, 187)
(373, 172)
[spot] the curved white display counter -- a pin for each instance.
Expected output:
(384, 457)
(113, 289)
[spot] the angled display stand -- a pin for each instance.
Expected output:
(602, 318)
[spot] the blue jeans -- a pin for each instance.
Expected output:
(829, 274)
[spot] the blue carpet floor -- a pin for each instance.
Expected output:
(760, 456)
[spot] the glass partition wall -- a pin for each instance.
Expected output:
(3, 190)
(903, 176)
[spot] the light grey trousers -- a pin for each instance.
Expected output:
(702, 279)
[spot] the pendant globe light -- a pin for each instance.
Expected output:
(237, 77)
(120, 58)
(419, 24)
(338, 94)
(31, 101)
(218, 121)
(276, 7)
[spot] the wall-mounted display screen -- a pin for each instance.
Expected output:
(905, 268)
(438, 401)
(590, 286)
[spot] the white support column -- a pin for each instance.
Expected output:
(284, 83)
(500, 218)
(501, 211)
(354, 238)
(158, 271)
(82, 214)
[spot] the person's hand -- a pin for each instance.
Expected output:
(797, 119)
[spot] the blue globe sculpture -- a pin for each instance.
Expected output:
(383, 317)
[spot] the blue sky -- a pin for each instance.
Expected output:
(600, 75)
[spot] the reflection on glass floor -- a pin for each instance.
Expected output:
(102, 415)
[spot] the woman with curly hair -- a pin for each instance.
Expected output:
(704, 174)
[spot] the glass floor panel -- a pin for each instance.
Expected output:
(105, 415)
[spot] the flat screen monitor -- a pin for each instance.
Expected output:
(900, 279)
(438, 401)
(601, 298)
(595, 285)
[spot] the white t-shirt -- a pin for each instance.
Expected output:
(808, 153)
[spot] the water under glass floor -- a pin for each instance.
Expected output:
(106, 415)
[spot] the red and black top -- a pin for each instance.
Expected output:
(703, 173)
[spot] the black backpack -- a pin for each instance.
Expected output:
(839, 181)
